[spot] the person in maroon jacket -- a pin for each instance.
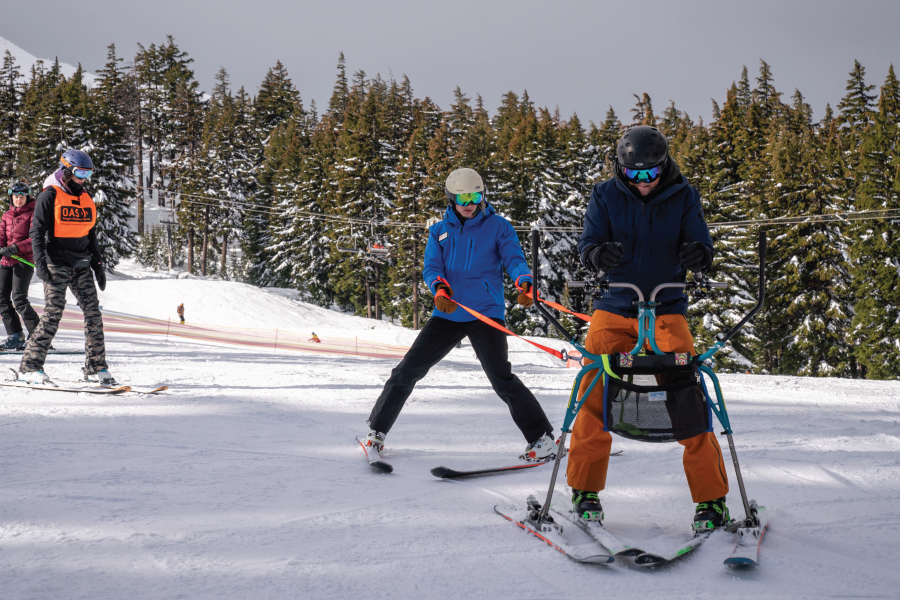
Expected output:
(15, 275)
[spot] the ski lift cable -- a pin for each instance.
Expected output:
(839, 218)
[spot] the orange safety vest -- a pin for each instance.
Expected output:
(73, 217)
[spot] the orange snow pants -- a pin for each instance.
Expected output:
(590, 446)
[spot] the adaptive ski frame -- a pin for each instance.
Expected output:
(647, 334)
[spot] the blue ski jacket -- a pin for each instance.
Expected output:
(469, 256)
(651, 235)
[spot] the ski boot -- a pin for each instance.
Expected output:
(711, 515)
(34, 378)
(543, 449)
(102, 377)
(586, 505)
(375, 439)
(16, 341)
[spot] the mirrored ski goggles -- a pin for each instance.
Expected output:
(472, 198)
(642, 175)
(19, 190)
(82, 173)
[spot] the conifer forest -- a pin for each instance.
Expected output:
(335, 201)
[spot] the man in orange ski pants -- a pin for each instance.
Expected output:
(589, 452)
(643, 227)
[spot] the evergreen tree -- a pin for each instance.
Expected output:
(876, 266)
(10, 114)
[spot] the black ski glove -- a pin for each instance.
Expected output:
(99, 273)
(696, 256)
(606, 257)
(9, 251)
(40, 269)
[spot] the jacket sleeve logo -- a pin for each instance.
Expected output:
(75, 214)
(443, 236)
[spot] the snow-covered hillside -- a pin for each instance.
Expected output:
(25, 60)
(244, 480)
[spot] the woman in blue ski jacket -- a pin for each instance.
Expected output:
(464, 261)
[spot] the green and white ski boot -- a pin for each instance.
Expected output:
(711, 515)
(586, 505)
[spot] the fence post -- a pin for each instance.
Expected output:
(167, 330)
(276, 340)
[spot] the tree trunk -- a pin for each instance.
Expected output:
(368, 295)
(415, 286)
(191, 250)
(140, 166)
(205, 241)
(377, 303)
(224, 254)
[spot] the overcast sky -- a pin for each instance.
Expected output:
(578, 54)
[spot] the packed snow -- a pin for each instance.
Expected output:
(244, 479)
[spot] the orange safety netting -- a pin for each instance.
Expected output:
(274, 339)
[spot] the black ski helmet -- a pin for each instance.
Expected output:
(19, 188)
(642, 147)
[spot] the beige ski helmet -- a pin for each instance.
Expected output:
(463, 181)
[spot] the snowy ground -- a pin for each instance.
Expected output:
(244, 480)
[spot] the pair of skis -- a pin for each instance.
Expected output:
(745, 553)
(83, 387)
(382, 466)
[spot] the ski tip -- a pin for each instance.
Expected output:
(741, 562)
(381, 467)
(441, 472)
(649, 560)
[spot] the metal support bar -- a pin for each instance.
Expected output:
(546, 507)
(751, 518)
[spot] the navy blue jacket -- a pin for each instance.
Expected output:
(469, 256)
(651, 234)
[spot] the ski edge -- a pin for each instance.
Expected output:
(606, 539)
(596, 559)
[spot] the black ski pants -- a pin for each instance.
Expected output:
(434, 342)
(14, 283)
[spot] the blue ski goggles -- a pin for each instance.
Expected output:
(472, 198)
(642, 175)
(82, 173)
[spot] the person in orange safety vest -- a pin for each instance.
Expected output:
(67, 256)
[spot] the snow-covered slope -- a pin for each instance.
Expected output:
(244, 480)
(26, 60)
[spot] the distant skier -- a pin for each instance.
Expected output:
(314, 338)
(180, 311)
(67, 256)
(644, 226)
(464, 260)
(15, 275)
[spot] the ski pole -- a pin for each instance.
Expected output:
(24, 261)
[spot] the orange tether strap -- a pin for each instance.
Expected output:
(495, 325)
(556, 306)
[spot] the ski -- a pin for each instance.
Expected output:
(552, 534)
(81, 352)
(375, 458)
(448, 473)
(131, 389)
(597, 531)
(652, 559)
(749, 539)
(54, 388)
